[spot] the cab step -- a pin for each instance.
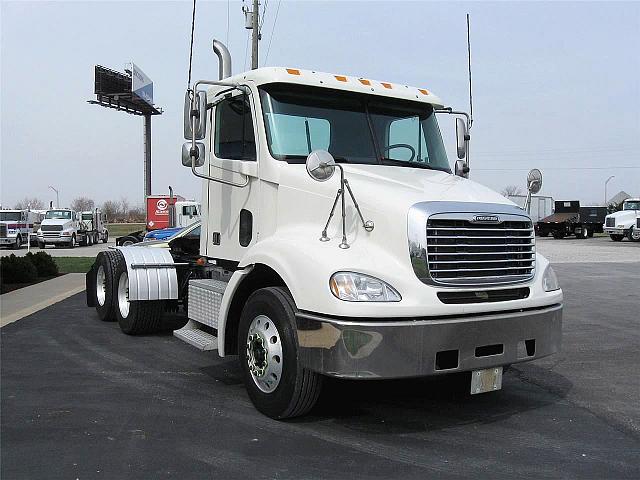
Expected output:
(200, 339)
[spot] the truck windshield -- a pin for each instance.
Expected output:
(87, 216)
(354, 128)
(58, 214)
(635, 205)
(9, 216)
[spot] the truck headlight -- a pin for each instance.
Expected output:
(550, 280)
(356, 287)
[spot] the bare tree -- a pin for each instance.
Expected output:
(511, 190)
(136, 214)
(124, 209)
(82, 204)
(33, 203)
(112, 210)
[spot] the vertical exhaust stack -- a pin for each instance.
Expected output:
(224, 59)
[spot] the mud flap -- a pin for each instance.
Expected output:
(90, 283)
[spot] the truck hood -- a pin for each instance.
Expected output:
(624, 216)
(412, 185)
(55, 221)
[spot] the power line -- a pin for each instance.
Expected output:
(609, 167)
(275, 20)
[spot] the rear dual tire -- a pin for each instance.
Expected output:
(112, 297)
(276, 382)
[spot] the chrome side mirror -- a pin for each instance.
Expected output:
(462, 138)
(201, 115)
(462, 169)
(186, 154)
(320, 165)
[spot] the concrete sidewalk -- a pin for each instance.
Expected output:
(25, 301)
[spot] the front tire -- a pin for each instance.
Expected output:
(72, 243)
(18, 243)
(276, 382)
(616, 238)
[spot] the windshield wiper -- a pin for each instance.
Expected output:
(304, 158)
(405, 163)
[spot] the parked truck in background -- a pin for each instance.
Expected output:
(337, 241)
(17, 227)
(624, 223)
(59, 227)
(164, 211)
(569, 219)
(93, 228)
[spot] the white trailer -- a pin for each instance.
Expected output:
(541, 205)
(427, 273)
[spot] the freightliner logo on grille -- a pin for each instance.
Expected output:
(486, 219)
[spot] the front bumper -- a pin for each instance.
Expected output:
(7, 240)
(50, 240)
(615, 231)
(386, 348)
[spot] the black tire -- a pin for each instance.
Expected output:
(141, 317)
(109, 262)
(590, 233)
(129, 240)
(106, 237)
(631, 230)
(72, 243)
(84, 242)
(41, 245)
(558, 234)
(616, 238)
(96, 238)
(18, 243)
(582, 233)
(544, 233)
(298, 388)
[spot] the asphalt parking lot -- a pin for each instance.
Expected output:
(81, 400)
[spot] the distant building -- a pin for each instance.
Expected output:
(618, 198)
(541, 206)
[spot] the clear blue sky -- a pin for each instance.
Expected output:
(555, 85)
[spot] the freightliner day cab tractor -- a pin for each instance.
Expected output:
(336, 241)
(625, 222)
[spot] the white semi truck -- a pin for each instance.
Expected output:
(93, 228)
(59, 227)
(17, 227)
(624, 223)
(336, 241)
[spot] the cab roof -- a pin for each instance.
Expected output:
(266, 75)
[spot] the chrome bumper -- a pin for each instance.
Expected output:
(615, 231)
(385, 348)
(7, 240)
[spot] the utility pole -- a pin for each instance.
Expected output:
(252, 22)
(147, 156)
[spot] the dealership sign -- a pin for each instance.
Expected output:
(141, 85)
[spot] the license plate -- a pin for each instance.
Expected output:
(488, 380)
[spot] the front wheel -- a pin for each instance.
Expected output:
(634, 234)
(106, 237)
(72, 243)
(268, 352)
(616, 238)
(18, 243)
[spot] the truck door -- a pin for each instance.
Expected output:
(232, 211)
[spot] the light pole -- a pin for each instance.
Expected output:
(57, 196)
(605, 188)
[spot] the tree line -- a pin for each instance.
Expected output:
(117, 211)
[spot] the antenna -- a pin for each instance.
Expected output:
(469, 59)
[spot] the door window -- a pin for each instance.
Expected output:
(234, 138)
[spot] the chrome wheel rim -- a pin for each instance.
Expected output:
(264, 354)
(123, 295)
(101, 286)
(127, 243)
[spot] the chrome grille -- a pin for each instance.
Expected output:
(3, 230)
(460, 251)
(51, 228)
(610, 222)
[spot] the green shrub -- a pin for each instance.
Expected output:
(44, 263)
(17, 270)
